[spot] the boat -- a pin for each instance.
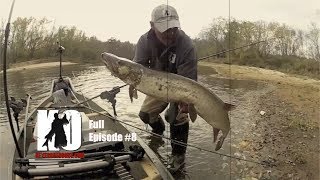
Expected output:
(95, 164)
(99, 160)
(91, 159)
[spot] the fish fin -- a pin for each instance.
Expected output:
(228, 106)
(215, 137)
(192, 112)
(132, 93)
(219, 143)
(215, 134)
(135, 94)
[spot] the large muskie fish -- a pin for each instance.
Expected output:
(170, 87)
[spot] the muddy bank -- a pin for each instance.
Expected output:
(281, 120)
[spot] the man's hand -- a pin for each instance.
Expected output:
(182, 116)
(48, 137)
(132, 93)
(183, 107)
(188, 108)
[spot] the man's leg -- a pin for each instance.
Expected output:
(179, 133)
(149, 114)
(179, 129)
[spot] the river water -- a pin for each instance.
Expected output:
(92, 80)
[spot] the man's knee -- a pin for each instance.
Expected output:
(155, 122)
(144, 117)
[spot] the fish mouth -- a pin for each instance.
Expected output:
(111, 63)
(122, 68)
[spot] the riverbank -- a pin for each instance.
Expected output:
(34, 64)
(284, 123)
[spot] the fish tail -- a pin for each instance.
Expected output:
(215, 137)
(215, 134)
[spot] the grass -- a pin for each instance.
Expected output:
(302, 124)
(286, 64)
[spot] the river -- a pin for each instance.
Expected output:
(92, 80)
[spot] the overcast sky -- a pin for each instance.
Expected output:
(128, 19)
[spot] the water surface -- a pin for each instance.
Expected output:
(92, 80)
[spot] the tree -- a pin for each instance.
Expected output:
(36, 35)
(313, 37)
(212, 39)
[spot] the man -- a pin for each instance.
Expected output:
(166, 47)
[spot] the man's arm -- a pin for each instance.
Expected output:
(188, 69)
(65, 120)
(141, 53)
(189, 66)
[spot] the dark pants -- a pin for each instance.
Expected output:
(179, 133)
(179, 129)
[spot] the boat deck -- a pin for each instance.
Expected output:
(150, 167)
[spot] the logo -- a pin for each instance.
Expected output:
(58, 131)
(166, 13)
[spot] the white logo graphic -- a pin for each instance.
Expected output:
(58, 131)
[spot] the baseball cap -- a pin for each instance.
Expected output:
(165, 17)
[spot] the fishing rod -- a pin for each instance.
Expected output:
(5, 85)
(174, 141)
(228, 50)
(216, 54)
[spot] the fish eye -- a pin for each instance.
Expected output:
(119, 63)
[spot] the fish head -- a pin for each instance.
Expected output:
(125, 69)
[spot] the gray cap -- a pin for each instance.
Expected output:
(165, 17)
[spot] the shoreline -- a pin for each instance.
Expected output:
(25, 66)
(286, 135)
(260, 74)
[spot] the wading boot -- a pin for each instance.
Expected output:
(178, 133)
(176, 163)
